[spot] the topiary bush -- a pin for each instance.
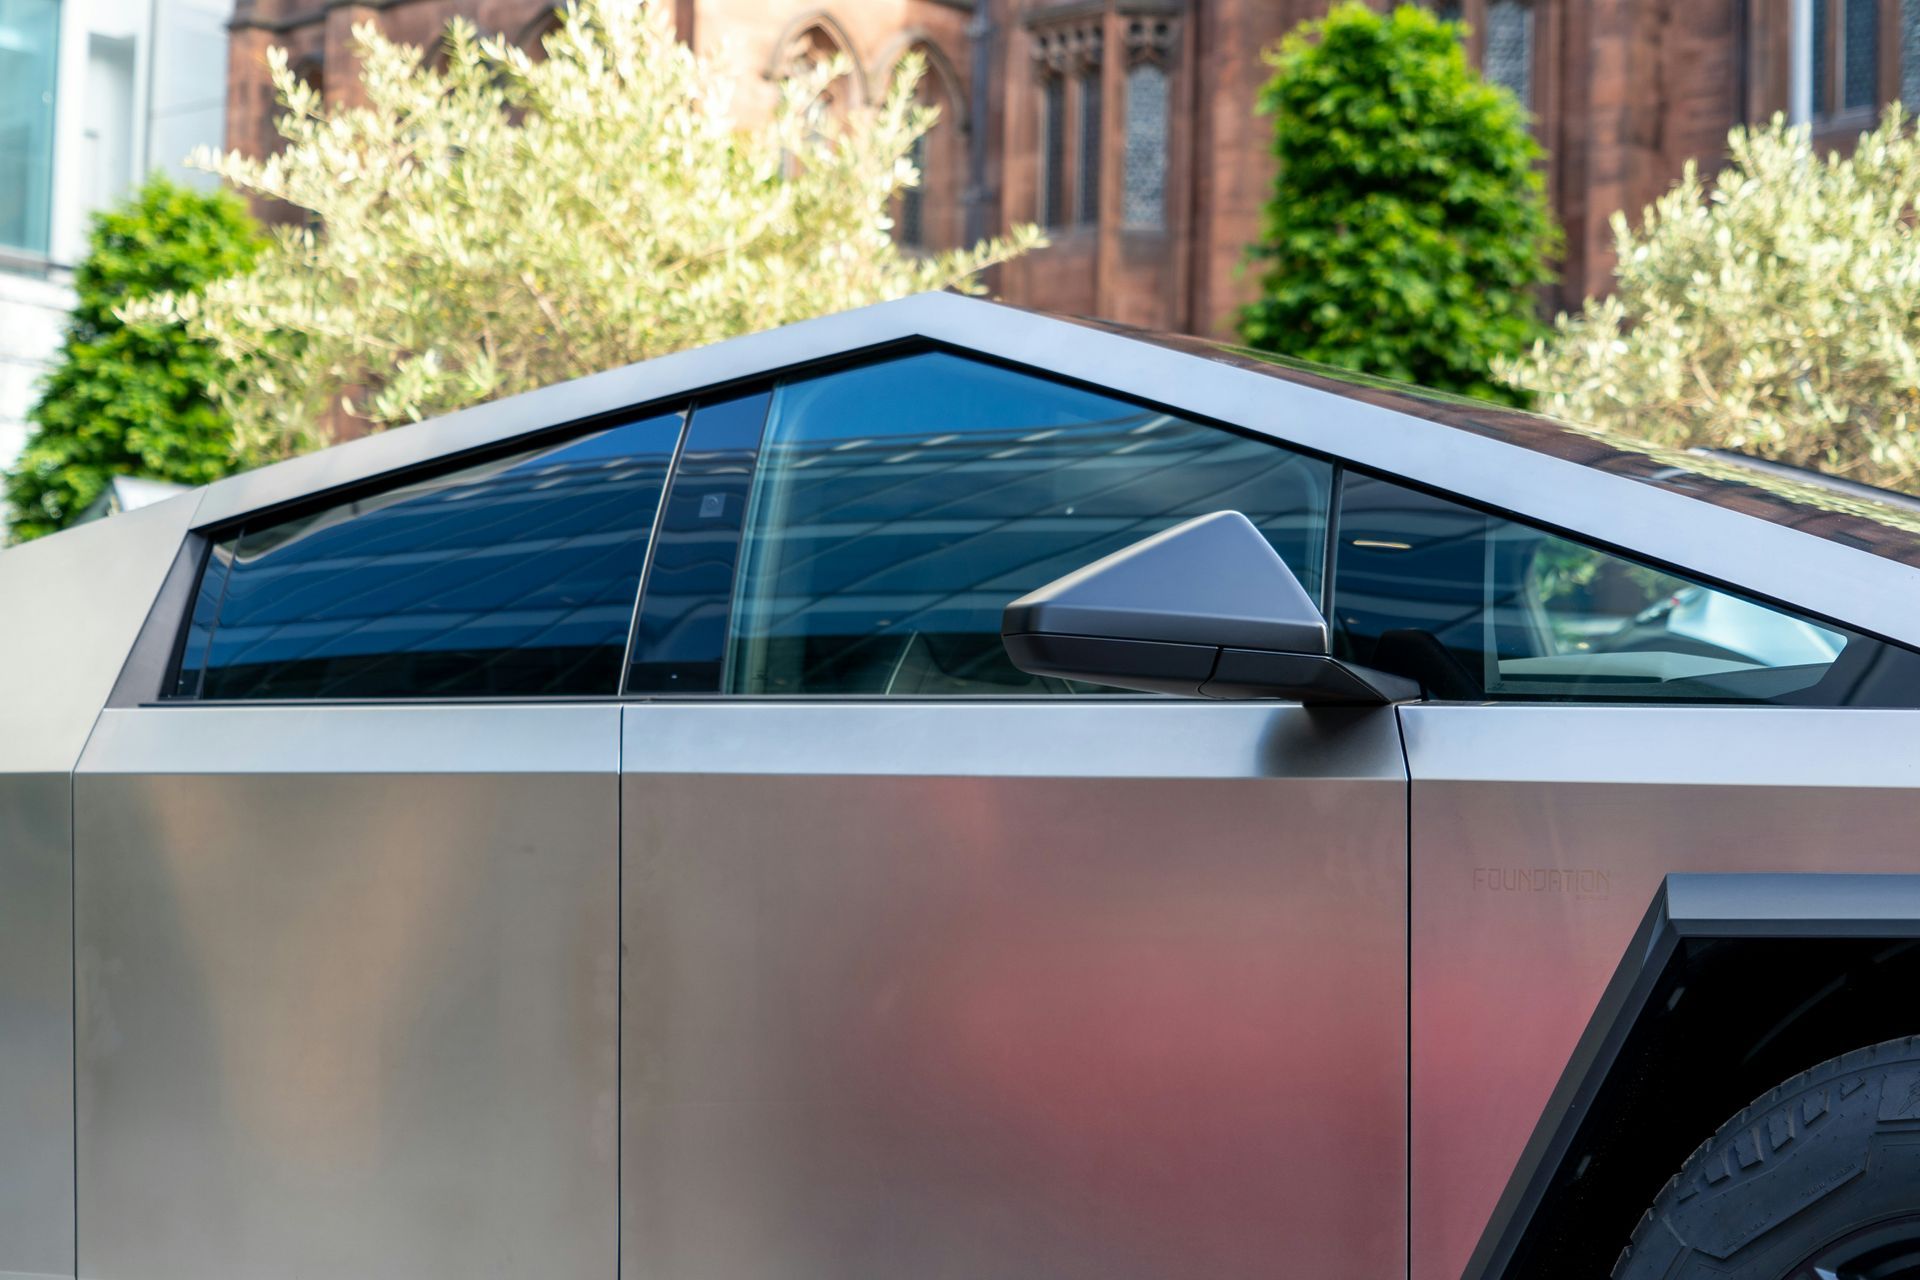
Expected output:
(132, 398)
(1408, 233)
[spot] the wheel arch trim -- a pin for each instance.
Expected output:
(1687, 907)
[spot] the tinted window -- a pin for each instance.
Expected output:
(1478, 606)
(514, 577)
(898, 508)
(681, 637)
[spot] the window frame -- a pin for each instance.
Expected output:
(207, 538)
(1828, 70)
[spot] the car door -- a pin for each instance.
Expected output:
(346, 892)
(1597, 724)
(934, 969)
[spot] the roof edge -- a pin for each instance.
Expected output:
(678, 373)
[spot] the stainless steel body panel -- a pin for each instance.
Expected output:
(73, 605)
(1539, 836)
(36, 1024)
(70, 608)
(347, 992)
(1072, 990)
(1772, 560)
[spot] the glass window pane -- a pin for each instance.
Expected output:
(1860, 55)
(1090, 145)
(514, 577)
(900, 506)
(680, 637)
(206, 607)
(1509, 55)
(1477, 606)
(1910, 53)
(1144, 196)
(29, 39)
(1053, 152)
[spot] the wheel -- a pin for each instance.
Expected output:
(1817, 1180)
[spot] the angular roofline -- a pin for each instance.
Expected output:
(1398, 433)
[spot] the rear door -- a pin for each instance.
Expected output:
(933, 969)
(346, 892)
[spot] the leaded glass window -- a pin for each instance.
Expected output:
(1509, 53)
(1822, 64)
(1859, 55)
(1090, 123)
(1144, 197)
(1053, 151)
(1910, 53)
(913, 200)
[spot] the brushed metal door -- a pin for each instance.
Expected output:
(347, 992)
(1082, 988)
(1540, 835)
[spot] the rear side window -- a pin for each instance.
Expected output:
(514, 577)
(1477, 606)
(897, 508)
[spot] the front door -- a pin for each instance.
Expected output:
(932, 969)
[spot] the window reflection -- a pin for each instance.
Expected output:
(1477, 606)
(513, 577)
(900, 506)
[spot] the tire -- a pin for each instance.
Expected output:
(1820, 1177)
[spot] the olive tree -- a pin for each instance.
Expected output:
(1774, 309)
(498, 222)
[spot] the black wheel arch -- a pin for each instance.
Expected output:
(1732, 983)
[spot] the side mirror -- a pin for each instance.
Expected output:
(1206, 607)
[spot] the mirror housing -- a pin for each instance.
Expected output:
(1207, 607)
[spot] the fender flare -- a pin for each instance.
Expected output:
(1686, 909)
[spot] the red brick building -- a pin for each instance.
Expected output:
(1127, 126)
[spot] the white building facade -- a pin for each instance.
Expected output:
(94, 95)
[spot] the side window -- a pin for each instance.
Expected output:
(515, 577)
(1476, 606)
(898, 507)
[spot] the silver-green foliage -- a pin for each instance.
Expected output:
(503, 222)
(1774, 309)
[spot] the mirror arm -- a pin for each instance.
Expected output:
(1313, 679)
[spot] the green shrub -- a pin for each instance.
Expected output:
(1408, 231)
(132, 399)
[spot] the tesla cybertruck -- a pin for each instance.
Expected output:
(948, 792)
